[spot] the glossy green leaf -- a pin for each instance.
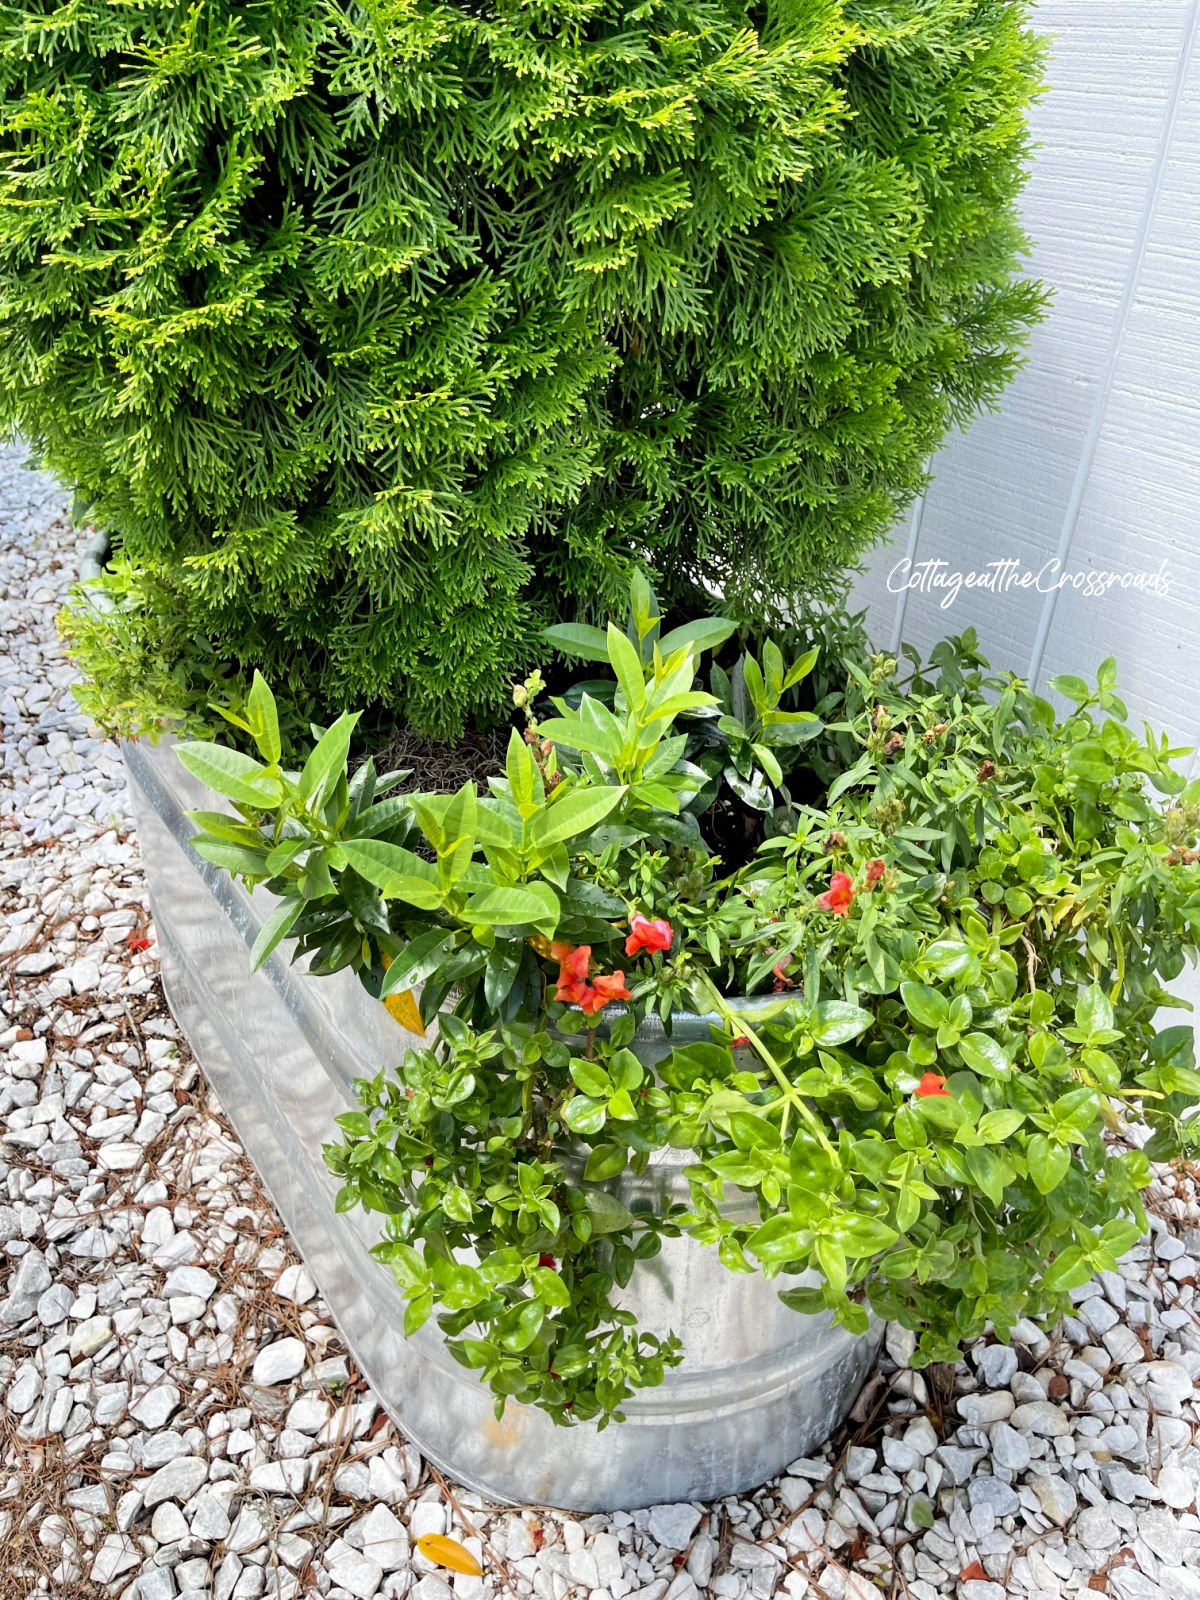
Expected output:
(327, 762)
(514, 905)
(234, 858)
(994, 1127)
(926, 1006)
(274, 930)
(584, 1114)
(578, 639)
(836, 1022)
(1048, 1162)
(397, 873)
(264, 719)
(574, 813)
(696, 637)
(1069, 1270)
(607, 1213)
(229, 772)
(605, 1161)
(985, 1056)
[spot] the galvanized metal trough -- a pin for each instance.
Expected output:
(760, 1385)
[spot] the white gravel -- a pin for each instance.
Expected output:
(178, 1417)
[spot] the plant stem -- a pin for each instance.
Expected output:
(739, 1025)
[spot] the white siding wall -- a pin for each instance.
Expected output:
(1094, 456)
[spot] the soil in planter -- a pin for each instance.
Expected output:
(435, 767)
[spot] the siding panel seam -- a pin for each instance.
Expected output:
(1117, 337)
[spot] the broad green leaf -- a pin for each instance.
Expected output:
(264, 720)
(911, 1133)
(458, 827)
(835, 1022)
(417, 1312)
(809, 1302)
(1069, 1270)
(275, 929)
(327, 762)
(605, 1161)
(514, 905)
(1119, 1235)
(1093, 1011)
(607, 1213)
(987, 1172)
(949, 957)
(592, 1079)
(233, 857)
(521, 771)
(983, 1055)
(577, 639)
(397, 873)
(643, 605)
(621, 1106)
(1089, 761)
(230, 773)
(490, 826)
(500, 973)
(863, 1236)
(792, 727)
(419, 958)
(696, 637)
(1070, 687)
(286, 852)
(574, 813)
(627, 666)
(233, 829)
(750, 1132)
(780, 1240)
(908, 1209)
(831, 1259)
(549, 1287)
(995, 1127)
(583, 1114)
(675, 705)
(1048, 1162)
(801, 667)
(576, 733)
(927, 1007)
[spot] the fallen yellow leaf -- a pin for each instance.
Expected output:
(446, 1552)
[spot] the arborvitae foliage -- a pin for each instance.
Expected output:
(380, 333)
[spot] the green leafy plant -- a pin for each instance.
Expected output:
(380, 334)
(935, 1055)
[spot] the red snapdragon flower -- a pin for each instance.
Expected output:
(875, 871)
(838, 896)
(572, 970)
(608, 986)
(546, 1261)
(645, 934)
(573, 986)
(932, 1083)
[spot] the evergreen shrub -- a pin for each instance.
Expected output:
(380, 334)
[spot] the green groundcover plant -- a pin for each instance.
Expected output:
(933, 952)
(379, 333)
